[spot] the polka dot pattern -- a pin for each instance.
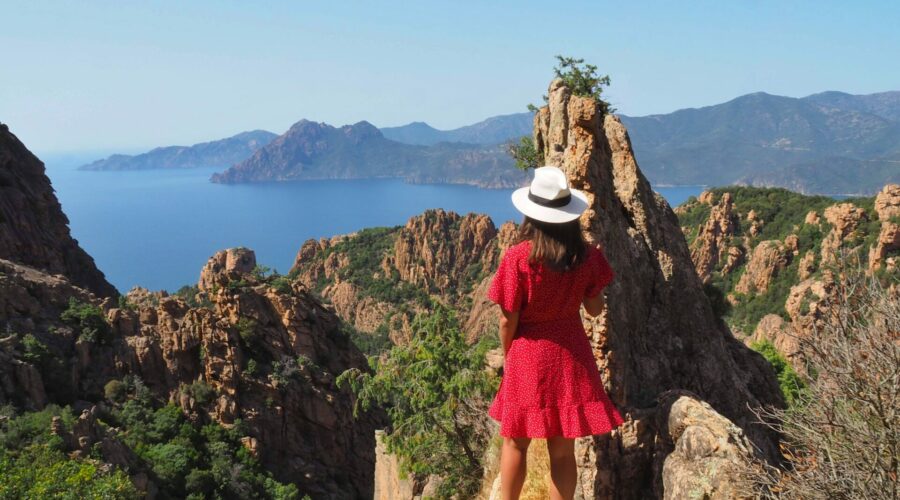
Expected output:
(551, 385)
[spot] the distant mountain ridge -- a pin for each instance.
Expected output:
(310, 150)
(826, 143)
(220, 153)
(494, 130)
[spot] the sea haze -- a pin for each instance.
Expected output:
(157, 229)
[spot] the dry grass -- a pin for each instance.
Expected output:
(537, 482)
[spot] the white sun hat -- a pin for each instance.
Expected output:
(549, 197)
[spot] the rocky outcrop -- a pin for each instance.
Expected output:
(225, 267)
(437, 249)
(390, 484)
(887, 246)
(439, 253)
(767, 260)
(299, 424)
(844, 218)
(708, 452)
(658, 332)
(710, 246)
(887, 202)
(33, 229)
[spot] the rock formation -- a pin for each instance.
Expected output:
(33, 229)
(887, 206)
(441, 254)
(659, 332)
(711, 243)
(844, 218)
(299, 424)
(767, 260)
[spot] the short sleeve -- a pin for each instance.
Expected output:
(507, 288)
(600, 273)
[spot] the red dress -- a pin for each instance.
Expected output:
(551, 385)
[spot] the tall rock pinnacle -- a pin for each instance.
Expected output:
(659, 332)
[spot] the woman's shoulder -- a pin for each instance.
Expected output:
(517, 250)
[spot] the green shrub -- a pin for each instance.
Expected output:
(246, 328)
(201, 392)
(788, 380)
(435, 390)
(39, 471)
(524, 153)
(282, 284)
(87, 320)
(115, 391)
(582, 80)
(34, 351)
(190, 294)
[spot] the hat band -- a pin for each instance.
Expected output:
(547, 202)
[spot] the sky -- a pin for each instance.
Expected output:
(128, 76)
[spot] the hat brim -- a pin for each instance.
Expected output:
(555, 215)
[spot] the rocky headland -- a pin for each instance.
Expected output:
(310, 150)
(221, 153)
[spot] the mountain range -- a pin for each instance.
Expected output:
(825, 143)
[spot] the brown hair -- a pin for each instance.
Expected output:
(560, 247)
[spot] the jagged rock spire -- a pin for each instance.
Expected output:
(659, 332)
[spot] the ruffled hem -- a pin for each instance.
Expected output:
(586, 419)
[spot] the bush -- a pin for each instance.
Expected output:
(87, 320)
(38, 471)
(583, 80)
(252, 368)
(436, 391)
(192, 297)
(115, 391)
(843, 434)
(201, 392)
(34, 351)
(284, 371)
(246, 329)
(524, 153)
(788, 380)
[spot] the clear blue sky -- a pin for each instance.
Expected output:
(83, 75)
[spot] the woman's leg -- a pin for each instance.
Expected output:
(563, 471)
(512, 467)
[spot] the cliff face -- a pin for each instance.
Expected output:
(658, 332)
(33, 229)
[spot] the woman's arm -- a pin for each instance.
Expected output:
(509, 321)
(594, 305)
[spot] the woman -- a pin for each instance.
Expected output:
(551, 387)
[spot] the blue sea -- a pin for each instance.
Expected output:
(156, 228)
